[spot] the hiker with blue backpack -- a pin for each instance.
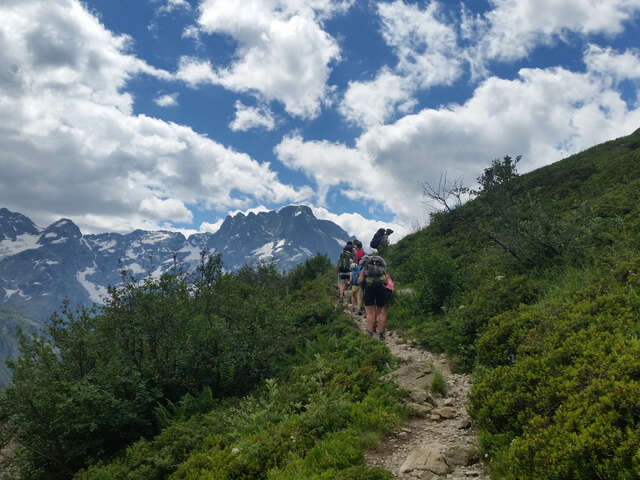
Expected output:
(378, 290)
(356, 291)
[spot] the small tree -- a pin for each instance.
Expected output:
(507, 216)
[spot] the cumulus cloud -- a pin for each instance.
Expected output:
(513, 28)
(359, 226)
(282, 52)
(168, 100)
(374, 102)
(160, 209)
(535, 115)
(426, 47)
(620, 66)
(73, 147)
(206, 227)
(252, 117)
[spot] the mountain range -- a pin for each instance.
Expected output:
(40, 267)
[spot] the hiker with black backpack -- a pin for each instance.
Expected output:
(378, 290)
(380, 240)
(343, 269)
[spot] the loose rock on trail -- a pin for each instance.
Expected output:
(440, 442)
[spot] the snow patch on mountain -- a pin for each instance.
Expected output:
(22, 243)
(265, 251)
(96, 292)
(193, 253)
(106, 245)
(135, 269)
(155, 237)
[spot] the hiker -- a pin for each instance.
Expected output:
(378, 290)
(356, 291)
(380, 240)
(359, 251)
(343, 269)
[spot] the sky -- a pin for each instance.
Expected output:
(172, 114)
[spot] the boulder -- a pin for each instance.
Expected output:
(461, 455)
(428, 458)
(445, 412)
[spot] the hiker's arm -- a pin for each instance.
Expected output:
(361, 278)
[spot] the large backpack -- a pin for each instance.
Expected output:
(344, 262)
(378, 238)
(375, 270)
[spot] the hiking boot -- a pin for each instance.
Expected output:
(371, 332)
(361, 311)
(382, 335)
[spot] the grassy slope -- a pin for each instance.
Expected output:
(554, 345)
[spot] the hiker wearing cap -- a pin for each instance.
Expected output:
(378, 290)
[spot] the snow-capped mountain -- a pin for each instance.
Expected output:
(41, 267)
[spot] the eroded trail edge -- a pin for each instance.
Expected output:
(441, 442)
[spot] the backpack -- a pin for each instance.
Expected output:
(344, 263)
(355, 273)
(375, 271)
(378, 238)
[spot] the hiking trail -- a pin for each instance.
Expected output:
(440, 442)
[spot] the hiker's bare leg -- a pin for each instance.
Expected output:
(371, 316)
(381, 317)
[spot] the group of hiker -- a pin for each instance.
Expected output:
(367, 277)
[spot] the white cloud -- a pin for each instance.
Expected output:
(620, 66)
(168, 100)
(247, 211)
(424, 43)
(327, 163)
(160, 209)
(513, 28)
(252, 117)
(211, 227)
(427, 51)
(359, 226)
(535, 115)
(374, 102)
(72, 146)
(282, 52)
(215, 226)
(168, 6)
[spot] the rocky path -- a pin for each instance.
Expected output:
(440, 441)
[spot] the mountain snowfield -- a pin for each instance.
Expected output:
(39, 268)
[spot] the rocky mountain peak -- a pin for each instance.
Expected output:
(13, 224)
(59, 232)
(40, 268)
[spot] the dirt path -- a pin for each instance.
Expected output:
(440, 443)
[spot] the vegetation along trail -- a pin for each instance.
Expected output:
(440, 441)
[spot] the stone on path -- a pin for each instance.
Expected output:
(430, 457)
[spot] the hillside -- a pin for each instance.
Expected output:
(534, 285)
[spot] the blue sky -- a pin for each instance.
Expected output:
(174, 113)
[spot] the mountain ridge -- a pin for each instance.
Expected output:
(39, 267)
